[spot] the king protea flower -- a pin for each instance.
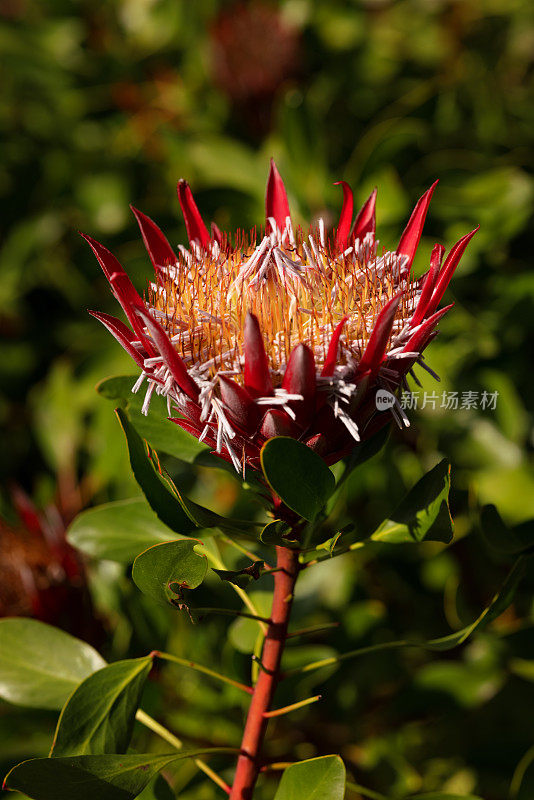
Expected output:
(288, 332)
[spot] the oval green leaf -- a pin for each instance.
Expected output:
(297, 475)
(106, 777)
(99, 716)
(314, 779)
(174, 509)
(118, 531)
(156, 427)
(40, 665)
(423, 515)
(158, 489)
(172, 564)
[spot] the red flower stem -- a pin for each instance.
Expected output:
(249, 762)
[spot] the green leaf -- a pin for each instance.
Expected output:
(241, 577)
(276, 533)
(498, 605)
(160, 492)
(314, 779)
(163, 571)
(174, 509)
(329, 544)
(118, 531)
(205, 518)
(104, 777)
(509, 541)
(423, 515)
(297, 475)
(156, 427)
(40, 665)
(99, 716)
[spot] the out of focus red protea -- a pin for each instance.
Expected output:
(288, 333)
(255, 52)
(41, 575)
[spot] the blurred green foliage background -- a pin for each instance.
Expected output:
(103, 104)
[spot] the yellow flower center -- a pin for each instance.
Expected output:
(298, 287)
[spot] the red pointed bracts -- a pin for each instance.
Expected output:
(377, 344)
(169, 356)
(333, 348)
(428, 284)
(256, 374)
(411, 236)
(196, 230)
(276, 204)
(365, 221)
(345, 220)
(158, 248)
(122, 334)
(277, 378)
(447, 271)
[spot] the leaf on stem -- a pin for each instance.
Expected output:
(314, 779)
(99, 716)
(106, 777)
(156, 427)
(501, 601)
(159, 490)
(118, 531)
(40, 665)
(165, 571)
(297, 475)
(498, 605)
(423, 515)
(278, 533)
(241, 577)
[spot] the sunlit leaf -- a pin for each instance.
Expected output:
(423, 515)
(40, 665)
(165, 570)
(118, 531)
(314, 779)
(99, 716)
(297, 475)
(155, 426)
(106, 777)
(158, 489)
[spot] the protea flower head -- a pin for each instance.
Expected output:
(282, 332)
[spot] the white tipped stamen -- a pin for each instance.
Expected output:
(139, 382)
(148, 397)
